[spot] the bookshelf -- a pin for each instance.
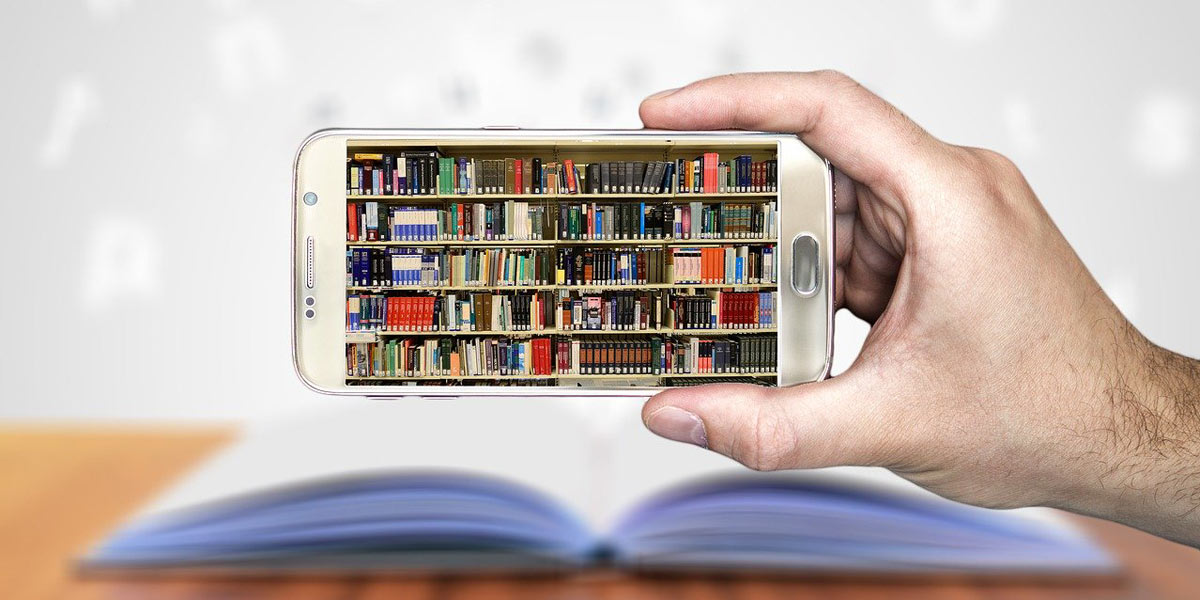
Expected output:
(610, 376)
(535, 243)
(533, 264)
(517, 333)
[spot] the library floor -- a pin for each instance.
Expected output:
(63, 487)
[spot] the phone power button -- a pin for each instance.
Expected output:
(806, 265)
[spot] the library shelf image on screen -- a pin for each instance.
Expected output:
(527, 265)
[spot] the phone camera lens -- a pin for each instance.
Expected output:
(309, 301)
(310, 313)
(310, 198)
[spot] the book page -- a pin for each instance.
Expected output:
(539, 442)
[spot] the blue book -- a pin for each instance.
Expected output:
(442, 505)
(737, 269)
(362, 272)
(642, 221)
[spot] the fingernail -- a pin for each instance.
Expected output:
(678, 425)
(662, 94)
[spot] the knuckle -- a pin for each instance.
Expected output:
(835, 77)
(989, 165)
(770, 444)
(998, 162)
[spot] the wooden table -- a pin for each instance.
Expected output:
(64, 487)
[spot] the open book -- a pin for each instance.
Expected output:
(523, 483)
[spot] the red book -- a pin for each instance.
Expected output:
(430, 318)
(710, 172)
(390, 319)
(351, 222)
(569, 167)
(518, 179)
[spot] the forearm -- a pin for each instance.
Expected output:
(1142, 465)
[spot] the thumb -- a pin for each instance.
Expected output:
(828, 423)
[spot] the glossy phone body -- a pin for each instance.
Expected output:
(803, 252)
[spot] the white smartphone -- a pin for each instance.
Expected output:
(556, 262)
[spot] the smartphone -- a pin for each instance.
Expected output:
(503, 261)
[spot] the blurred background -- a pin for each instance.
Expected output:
(148, 149)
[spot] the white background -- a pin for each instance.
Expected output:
(148, 146)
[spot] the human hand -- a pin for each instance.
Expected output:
(996, 371)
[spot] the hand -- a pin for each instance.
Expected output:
(996, 371)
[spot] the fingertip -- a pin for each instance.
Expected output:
(652, 111)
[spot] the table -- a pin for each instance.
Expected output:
(63, 487)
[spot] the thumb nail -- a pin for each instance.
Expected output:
(662, 94)
(678, 425)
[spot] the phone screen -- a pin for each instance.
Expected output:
(589, 265)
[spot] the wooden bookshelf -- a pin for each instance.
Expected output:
(563, 332)
(587, 287)
(546, 243)
(609, 376)
(487, 197)
(549, 217)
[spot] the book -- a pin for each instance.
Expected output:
(383, 490)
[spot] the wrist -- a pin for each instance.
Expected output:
(1140, 460)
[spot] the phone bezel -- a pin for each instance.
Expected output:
(806, 185)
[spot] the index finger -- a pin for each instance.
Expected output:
(866, 137)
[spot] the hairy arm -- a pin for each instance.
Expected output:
(996, 371)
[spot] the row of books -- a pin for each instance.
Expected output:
(409, 267)
(694, 220)
(558, 310)
(559, 356)
(450, 357)
(516, 220)
(426, 172)
(724, 264)
(421, 267)
(725, 310)
(512, 220)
